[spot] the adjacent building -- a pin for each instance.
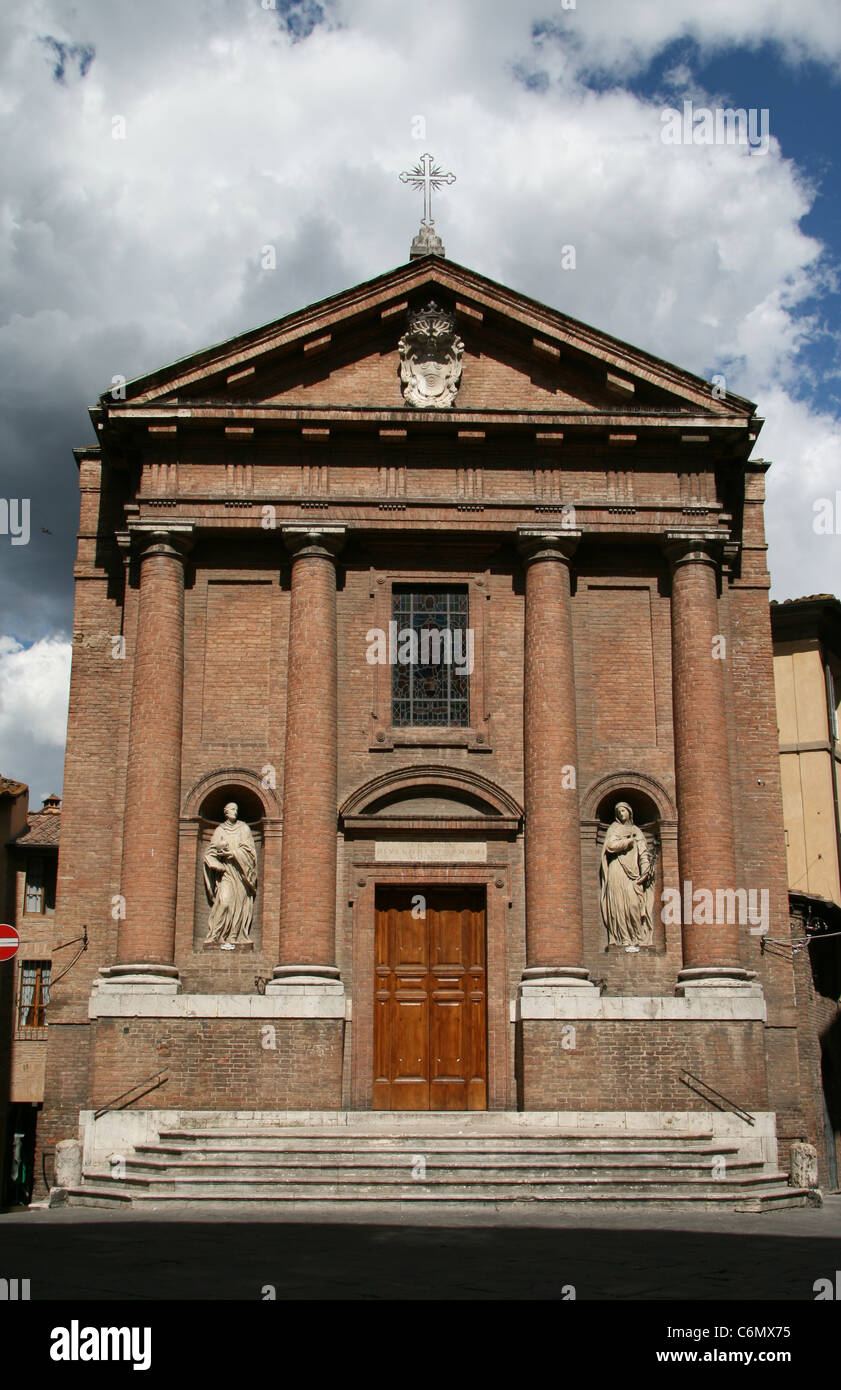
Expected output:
(807, 673)
(29, 859)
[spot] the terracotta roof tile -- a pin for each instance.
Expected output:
(8, 787)
(806, 598)
(44, 828)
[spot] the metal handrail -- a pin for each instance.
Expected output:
(112, 1104)
(687, 1078)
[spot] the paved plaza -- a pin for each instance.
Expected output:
(85, 1254)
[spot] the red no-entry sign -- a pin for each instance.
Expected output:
(9, 942)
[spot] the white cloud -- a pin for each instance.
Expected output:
(805, 447)
(623, 37)
(34, 693)
(693, 252)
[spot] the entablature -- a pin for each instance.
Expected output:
(419, 516)
(251, 415)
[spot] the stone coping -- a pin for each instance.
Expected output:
(636, 1122)
(534, 1002)
(723, 1005)
(293, 1001)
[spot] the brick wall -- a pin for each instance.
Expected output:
(65, 1094)
(636, 1065)
(220, 1064)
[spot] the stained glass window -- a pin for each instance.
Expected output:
(433, 657)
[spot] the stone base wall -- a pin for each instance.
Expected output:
(222, 1063)
(65, 1095)
(589, 1064)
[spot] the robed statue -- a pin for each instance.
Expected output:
(627, 882)
(230, 881)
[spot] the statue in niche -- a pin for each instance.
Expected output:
(626, 876)
(230, 881)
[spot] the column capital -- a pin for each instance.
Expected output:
(325, 541)
(148, 538)
(540, 543)
(692, 547)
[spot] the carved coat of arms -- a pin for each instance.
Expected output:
(430, 359)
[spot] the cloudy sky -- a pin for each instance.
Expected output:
(249, 123)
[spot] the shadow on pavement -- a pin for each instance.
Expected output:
(230, 1259)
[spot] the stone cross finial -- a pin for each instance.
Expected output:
(427, 175)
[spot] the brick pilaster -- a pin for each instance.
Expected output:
(554, 935)
(706, 840)
(146, 937)
(308, 860)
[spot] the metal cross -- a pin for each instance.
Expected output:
(426, 175)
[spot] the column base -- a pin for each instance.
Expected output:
(567, 979)
(698, 982)
(150, 978)
(325, 977)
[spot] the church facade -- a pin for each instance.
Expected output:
(422, 747)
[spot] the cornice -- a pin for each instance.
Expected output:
(199, 412)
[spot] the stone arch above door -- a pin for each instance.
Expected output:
(452, 798)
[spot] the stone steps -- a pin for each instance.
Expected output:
(774, 1198)
(449, 1186)
(173, 1155)
(374, 1173)
(516, 1161)
(512, 1138)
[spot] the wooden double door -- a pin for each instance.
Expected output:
(430, 1000)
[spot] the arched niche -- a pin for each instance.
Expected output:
(250, 808)
(205, 803)
(655, 813)
(255, 787)
(637, 788)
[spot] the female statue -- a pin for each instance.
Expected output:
(627, 882)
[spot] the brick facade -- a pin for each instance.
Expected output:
(245, 517)
(636, 1065)
(222, 1058)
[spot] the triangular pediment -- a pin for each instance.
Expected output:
(519, 356)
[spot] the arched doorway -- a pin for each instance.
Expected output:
(429, 856)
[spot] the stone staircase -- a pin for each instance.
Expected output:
(422, 1161)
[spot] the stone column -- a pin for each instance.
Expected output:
(706, 838)
(308, 857)
(554, 935)
(148, 881)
